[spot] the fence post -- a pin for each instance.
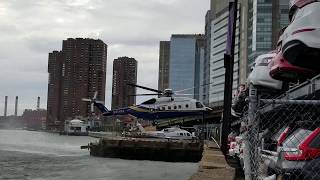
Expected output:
(253, 103)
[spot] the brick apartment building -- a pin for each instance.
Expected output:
(75, 72)
(124, 72)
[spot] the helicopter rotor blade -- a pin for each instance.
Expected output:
(102, 102)
(95, 95)
(144, 94)
(143, 87)
(185, 89)
(86, 99)
(92, 107)
(193, 87)
(185, 94)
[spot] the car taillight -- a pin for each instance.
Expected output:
(295, 155)
(303, 30)
(302, 154)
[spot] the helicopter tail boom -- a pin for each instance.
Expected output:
(103, 109)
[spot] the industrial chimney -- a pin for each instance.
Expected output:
(38, 103)
(16, 107)
(5, 105)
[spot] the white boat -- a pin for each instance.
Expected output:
(76, 127)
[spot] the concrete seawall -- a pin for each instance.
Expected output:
(213, 166)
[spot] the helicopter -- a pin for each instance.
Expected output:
(167, 105)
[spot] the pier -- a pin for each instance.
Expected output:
(214, 166)
(148, 149)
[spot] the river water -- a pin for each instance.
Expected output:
(40, 155)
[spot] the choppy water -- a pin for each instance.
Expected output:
(40, 155)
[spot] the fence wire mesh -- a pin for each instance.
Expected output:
(281, 137)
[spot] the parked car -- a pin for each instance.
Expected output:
(276, 140)
(299, 149)
(301, 39)
(281, 69)
(260, 75)
(272, 146)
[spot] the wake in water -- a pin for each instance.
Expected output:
(43, 143)
(29, 155)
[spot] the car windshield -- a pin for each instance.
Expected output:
(294, 140)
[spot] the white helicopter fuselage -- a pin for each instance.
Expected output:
(170, 133)
(165, 107)
(173, 103)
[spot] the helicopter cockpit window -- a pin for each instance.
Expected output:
(150, 101)
(199, 105)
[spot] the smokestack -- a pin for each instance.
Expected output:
(38, 103)
(16, 107)
(5, 105)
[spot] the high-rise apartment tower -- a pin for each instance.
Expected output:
(76, 72)
(124, 72)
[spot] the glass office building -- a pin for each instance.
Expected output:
(266, 18)
(219, 28)
(199, 70)
(183, 71)
(261, 21)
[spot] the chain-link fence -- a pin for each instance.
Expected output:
(281, 133)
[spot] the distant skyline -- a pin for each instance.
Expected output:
(30, 29)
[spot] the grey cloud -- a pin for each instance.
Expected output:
(30, 29)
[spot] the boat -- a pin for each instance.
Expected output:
(76, 127)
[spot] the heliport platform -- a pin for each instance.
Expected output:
(148, 149)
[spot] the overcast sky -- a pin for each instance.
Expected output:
(30, 29)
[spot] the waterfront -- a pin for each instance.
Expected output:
(41, 155)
